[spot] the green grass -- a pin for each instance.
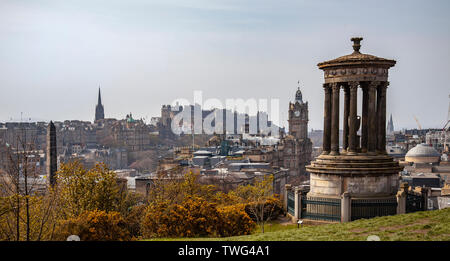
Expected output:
(418, 226)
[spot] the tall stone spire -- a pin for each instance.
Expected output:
(99, 111)
(390, 126)
(99, 96)
(52, 157)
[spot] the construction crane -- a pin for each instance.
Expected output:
(418, 123)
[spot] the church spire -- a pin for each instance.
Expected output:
(99, 97)
(390, 127)
(99, 111)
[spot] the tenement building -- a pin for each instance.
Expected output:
(360, 169)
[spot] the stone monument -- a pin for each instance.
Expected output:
(52, 160)
(361, 168)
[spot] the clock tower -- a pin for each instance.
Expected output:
(296, 146)
(298, 117)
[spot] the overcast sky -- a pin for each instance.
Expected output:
(144, 53)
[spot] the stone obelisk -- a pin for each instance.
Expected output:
(52, 160)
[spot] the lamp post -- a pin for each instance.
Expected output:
(299, 223)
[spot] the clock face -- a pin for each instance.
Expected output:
(297, 113)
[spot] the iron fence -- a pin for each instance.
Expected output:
(369, 208)
(291, 202)
(327, 209)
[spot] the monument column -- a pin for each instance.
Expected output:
(327, 120)
(372, 113)
(335, 119)
(345, 123)
(52, 156)
(352, 117)
(365, 125)
(378, 118)
(381, 115)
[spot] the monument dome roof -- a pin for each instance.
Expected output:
(357, 58)
(422, 150)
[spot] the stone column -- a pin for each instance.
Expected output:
(365, 119)
(352, 118)
(401, 202)
(401, 198)
(287, 188)
(372, 113)
(346, 207)
(345, 123)
(378, 119)
(335, 119)
(326, 145)
(381, 118)
(298, 203)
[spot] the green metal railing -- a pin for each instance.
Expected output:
(369, 208)
(291, 203)
(327, 209)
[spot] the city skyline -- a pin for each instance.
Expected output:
(166, 50)
(261, 121)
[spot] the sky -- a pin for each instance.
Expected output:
(145, 53)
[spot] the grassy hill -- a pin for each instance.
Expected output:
(421, 226)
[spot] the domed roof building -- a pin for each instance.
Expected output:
(422, 153)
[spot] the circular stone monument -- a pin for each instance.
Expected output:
(359, 169)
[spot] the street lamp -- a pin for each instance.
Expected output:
(299, 223)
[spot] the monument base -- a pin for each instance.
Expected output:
(370, 183)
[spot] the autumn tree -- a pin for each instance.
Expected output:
(96, 225)
(260, 200)
(82, 189)
(183, 207)
(191, 218)
(234, 221)
(174, 188)
(165, 188)
(191, 187)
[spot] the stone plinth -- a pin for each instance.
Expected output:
(361, 176)
(370, 181)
